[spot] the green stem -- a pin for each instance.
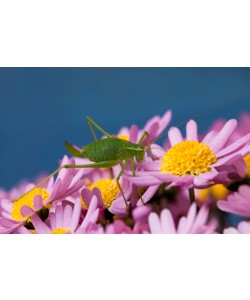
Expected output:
(191, 195)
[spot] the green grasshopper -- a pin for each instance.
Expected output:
(109, 152)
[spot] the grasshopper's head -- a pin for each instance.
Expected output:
(74, 151)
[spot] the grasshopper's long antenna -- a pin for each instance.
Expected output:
(44, 180)
(200, 113)
(48, 177)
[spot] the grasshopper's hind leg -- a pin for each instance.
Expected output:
(92, 122)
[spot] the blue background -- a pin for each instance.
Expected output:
(41, 107)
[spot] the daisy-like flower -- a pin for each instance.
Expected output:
(108, 195)
(193, 223)
(66, 219)
(237, 203)
(107, 191)
(242, 228)
(192, 163)
(18, 212)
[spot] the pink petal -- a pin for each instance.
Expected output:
(154, 223)
(6, 205)
(225, 206)
(38, 202)
(22, 230)
(167, 222)
(244, 191)
(165, 120)
(222, 137)
(244, 227)
(143, 180)
(152, 132)
(148, 194)
(39, 225)
(56, 190)
(201, 218)
(134, 134)
(67, 216)
(140, 213)
(209, 137)
(231, 230)
(59, 216)
(191, 131)
(235, 146)
(118, 207)
(190, 217)
(52, 220)
(174, 136)
(8, 223)
(76, 215)
(26, 211)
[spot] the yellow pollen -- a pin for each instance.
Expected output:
(27, 199)
(247, 161)
(124, 137)
(108, 188)
(83, 203)
(60, 231)
(88, 182)
(217, 191)
(188, 157)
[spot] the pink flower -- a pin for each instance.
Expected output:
(193, 163)
(193, 223)
(16, 212)
(66, 219)
(237, 203)
(107, 192)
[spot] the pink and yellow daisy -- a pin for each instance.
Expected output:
(17, 212)
(192, 163)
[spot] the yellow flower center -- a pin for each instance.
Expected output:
(108, 188)
(27, 199)
(217, 191)
(124, 137)
(247, 161)
(188, 157)
(60, 231)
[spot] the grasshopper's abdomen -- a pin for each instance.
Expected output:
(112, 149)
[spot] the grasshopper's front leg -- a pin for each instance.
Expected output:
(145, 133)
(133, 173)
(119, 186)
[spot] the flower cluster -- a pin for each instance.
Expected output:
(192, 184)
